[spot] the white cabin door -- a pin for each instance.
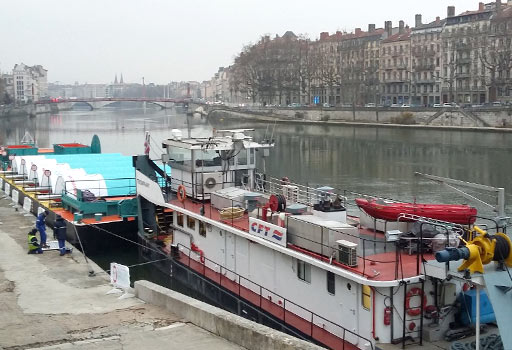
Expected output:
(349, 311)
(230, 254)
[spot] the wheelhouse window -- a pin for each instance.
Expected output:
(366, 297)
(330, 283)
(179, 219)
(242, 157)
(304, 271)
(180, 156)
(205, 159)
(191, 223)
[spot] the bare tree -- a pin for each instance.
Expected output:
(496, 59)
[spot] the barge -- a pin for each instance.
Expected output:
(291, 257)
(94, 192)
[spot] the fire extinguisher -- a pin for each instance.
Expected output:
(387, 316)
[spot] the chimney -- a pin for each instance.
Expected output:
(371, 28)
(438, 19)
(324, 35)
(481, 6)
(388, 25)
(417, 21)
(401, 27)
(358, 31)
(451, 11)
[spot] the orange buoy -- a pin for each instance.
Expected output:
(415, 311)
(181, 193)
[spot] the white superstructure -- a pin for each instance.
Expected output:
(291, 248)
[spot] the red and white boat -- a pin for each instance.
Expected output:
(390, 211)
(284, 254)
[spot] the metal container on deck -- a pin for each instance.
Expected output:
(318, 235)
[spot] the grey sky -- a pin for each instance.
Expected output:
(169, 40)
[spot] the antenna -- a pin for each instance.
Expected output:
(272, 136)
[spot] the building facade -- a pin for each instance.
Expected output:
(465, 40)
(6, 88)
(498, 58)
(395, 68)
(29, 83)
(426, 56)
(464, 59)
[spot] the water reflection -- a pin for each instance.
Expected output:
(363, 159)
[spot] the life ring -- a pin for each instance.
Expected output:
(181, 193)
(415, 311)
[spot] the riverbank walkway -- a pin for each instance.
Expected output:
(50, 302)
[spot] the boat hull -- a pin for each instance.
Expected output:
(217, 289)
(459, 214)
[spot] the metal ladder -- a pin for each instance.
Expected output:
(412, 325)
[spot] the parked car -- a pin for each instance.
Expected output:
(405, 105)
(370, 105)
(450, 105)
(395, 105)
(436, 105)
(496, 104)
(326, 105)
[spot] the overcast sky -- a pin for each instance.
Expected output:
(168, 40)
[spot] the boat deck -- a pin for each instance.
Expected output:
(66, 214)
(376, 261)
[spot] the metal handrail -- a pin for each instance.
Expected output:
(261, 288)
(363, 241)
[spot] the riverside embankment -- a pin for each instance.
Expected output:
(50, 302)
(491, 119)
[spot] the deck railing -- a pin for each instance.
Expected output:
(304, 320)
(371, 250)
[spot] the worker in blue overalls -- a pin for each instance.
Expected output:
(41, 227)
(59, 233)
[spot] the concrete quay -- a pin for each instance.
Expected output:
(481, 121)
(50, 302)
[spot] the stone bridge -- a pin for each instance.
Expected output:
(96, 103)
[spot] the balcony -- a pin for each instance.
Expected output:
(395, 80)
(423, 67)
(425, 81)
(402, 66)
(425, 53)
(465, 60)
(462, 46)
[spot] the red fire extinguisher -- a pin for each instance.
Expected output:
(387, 316)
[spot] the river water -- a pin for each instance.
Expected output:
(372, 160)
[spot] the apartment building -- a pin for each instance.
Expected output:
(29, 83)
(348, 67)
(426, 56)
(395, 66)
(465, 39)
(464, 58)
(498, 57)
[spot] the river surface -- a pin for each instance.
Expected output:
(372, 160)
